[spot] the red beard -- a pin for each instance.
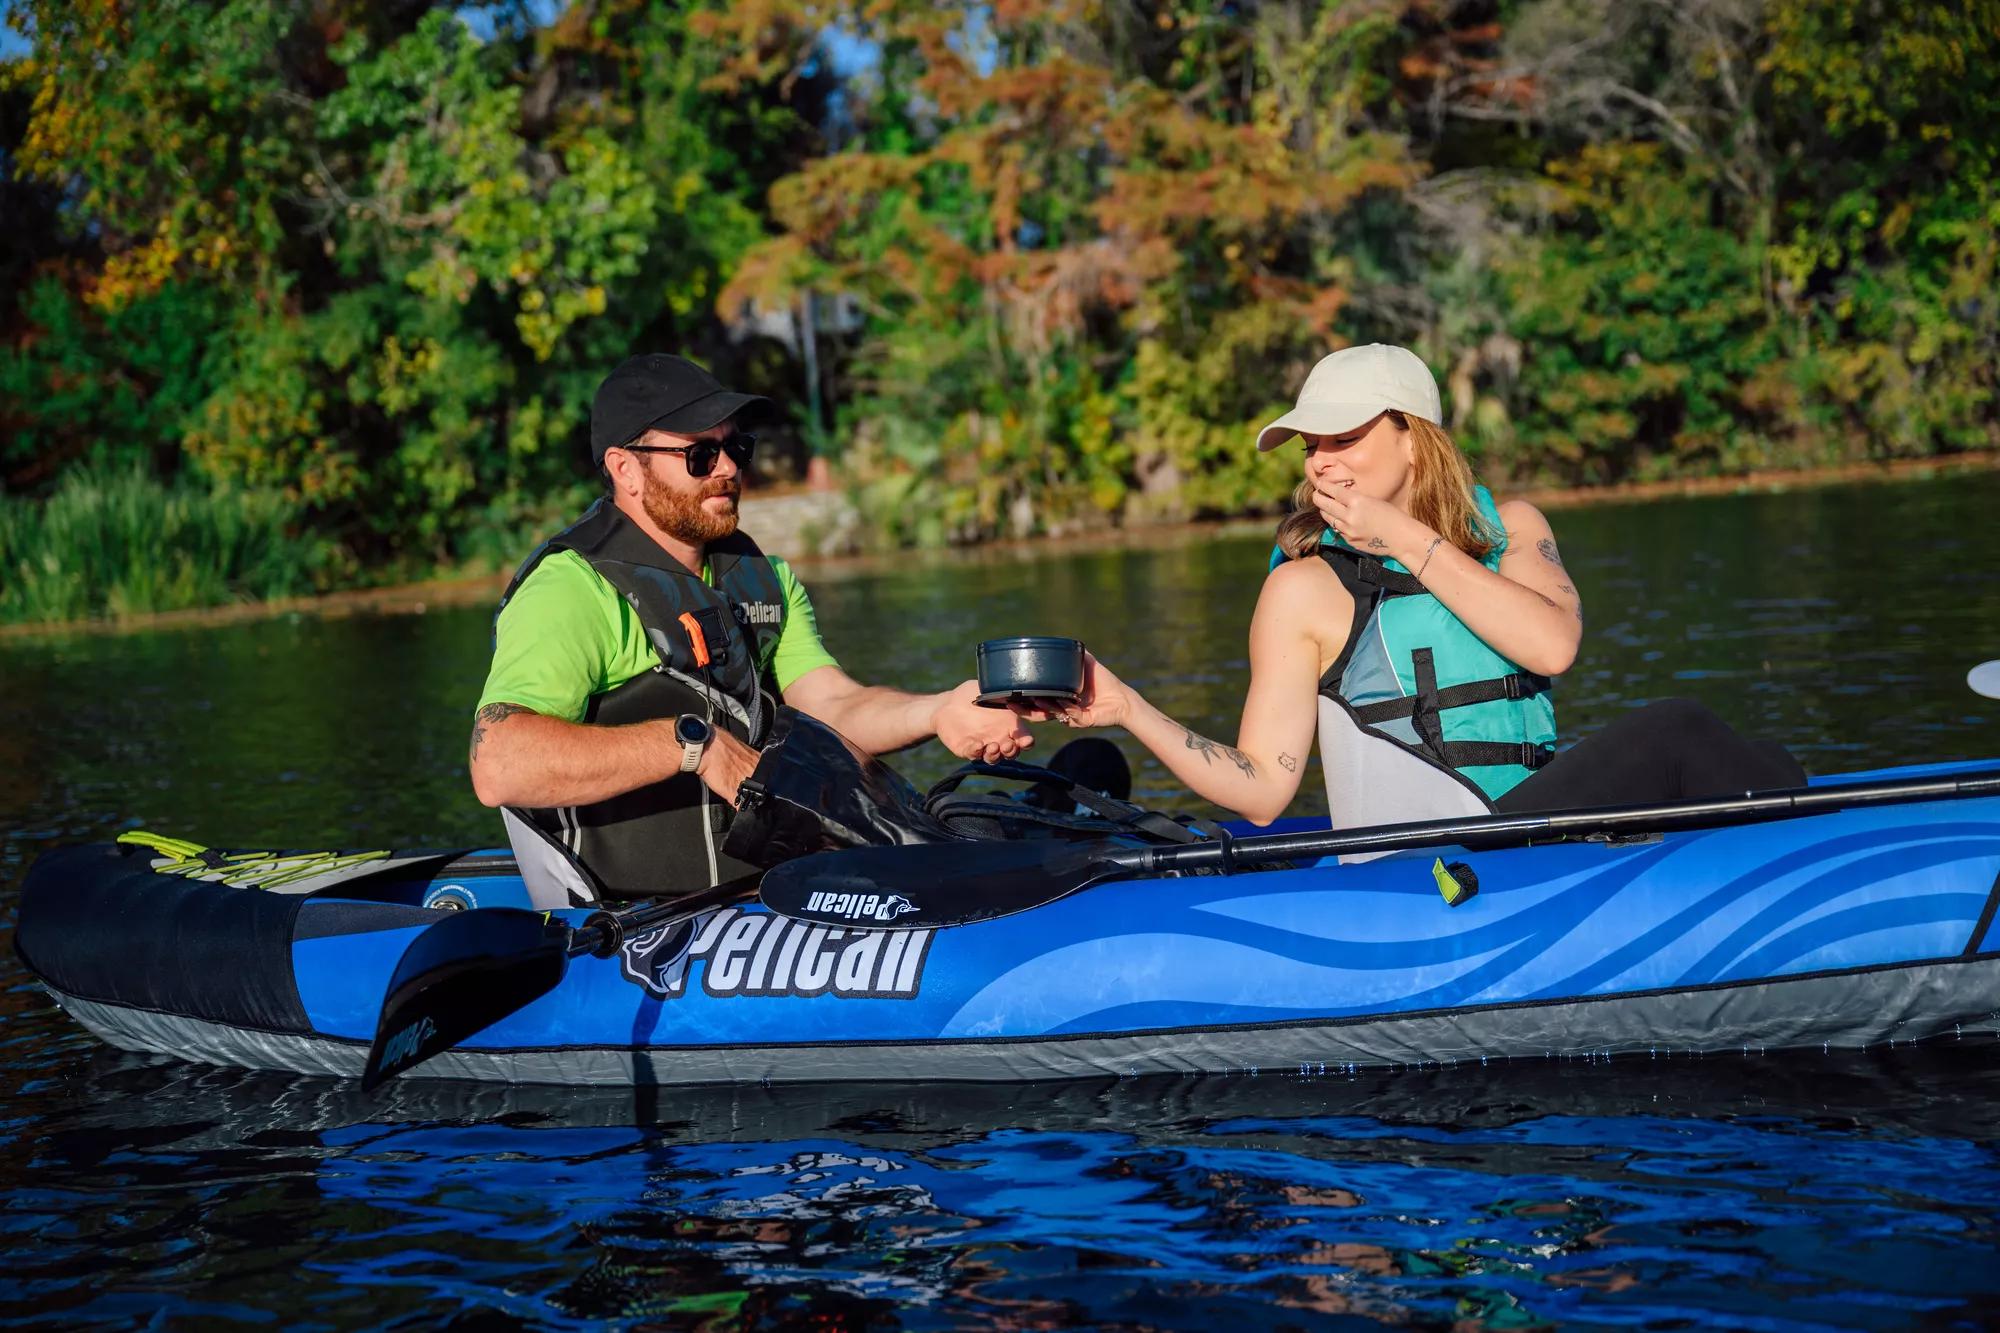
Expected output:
(683, 517)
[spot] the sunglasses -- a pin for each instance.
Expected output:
(701, 455)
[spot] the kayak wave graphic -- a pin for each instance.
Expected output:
(1549, 923)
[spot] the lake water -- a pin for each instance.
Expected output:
(1803, 1191)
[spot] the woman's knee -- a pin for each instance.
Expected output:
(1685, 717)
(1713, 753)
(1781, 767)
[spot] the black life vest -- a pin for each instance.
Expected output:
(666, 838)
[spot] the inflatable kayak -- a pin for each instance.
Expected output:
(1842, 929)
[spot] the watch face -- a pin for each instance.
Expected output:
(691, 730)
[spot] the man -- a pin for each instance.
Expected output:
(639, 655)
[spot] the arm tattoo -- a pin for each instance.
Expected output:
(1564, 587)
(1547, 546)
(1208, 749)
(1377, 544)
(1548, 599)
(491, 715)
(1288, 763)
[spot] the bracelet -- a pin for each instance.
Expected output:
(1429, 551)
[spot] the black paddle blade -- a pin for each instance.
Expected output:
(462, 975)
(937, 884)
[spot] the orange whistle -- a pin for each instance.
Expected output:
(693, 627)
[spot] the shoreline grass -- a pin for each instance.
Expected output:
(473, 581)
(116, 542)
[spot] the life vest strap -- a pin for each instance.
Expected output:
(1369, 571)
(1424, 709)
(1476, 754)
(1518, 685)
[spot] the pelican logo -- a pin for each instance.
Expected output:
(404, 1046)
(657, 959)
(736, 953)
(758, 613)
(859, 906)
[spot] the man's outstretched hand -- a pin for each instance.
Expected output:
(971, 731)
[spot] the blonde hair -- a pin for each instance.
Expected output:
(1441, 497)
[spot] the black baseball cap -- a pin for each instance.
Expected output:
(660, 392)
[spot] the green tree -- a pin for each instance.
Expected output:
(1645, 321)
(1888, 220)
(360, 256)
(1095, 244)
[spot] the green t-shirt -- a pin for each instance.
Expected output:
(566, 635)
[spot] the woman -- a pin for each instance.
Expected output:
(1415, 625)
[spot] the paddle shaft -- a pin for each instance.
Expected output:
(602, 933)
(1515, 830)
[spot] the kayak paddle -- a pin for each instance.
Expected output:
(473, 968)
(1985, 679)
(953, 884)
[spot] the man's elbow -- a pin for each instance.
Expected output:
(489, 786)
(495, 767)
(496, 783)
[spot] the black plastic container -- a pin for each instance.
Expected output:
(1034, 669)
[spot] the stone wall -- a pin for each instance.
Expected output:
(802, 523)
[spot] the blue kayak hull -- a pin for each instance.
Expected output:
(1839, 930)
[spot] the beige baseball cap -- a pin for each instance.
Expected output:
(1354, 385)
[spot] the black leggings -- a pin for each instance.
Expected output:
(1673, 750)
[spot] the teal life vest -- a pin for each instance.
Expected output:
(1414, 674)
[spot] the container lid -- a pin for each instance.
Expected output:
(1028, 641)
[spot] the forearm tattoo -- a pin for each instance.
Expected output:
(1208, 749)
(491, 715)
(1288, 763)
(1571, 591)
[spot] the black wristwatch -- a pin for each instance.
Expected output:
(694, 735)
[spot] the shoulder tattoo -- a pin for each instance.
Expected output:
(488, 716)
(1547, 546)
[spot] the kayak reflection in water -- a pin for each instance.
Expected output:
(1417, 625)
